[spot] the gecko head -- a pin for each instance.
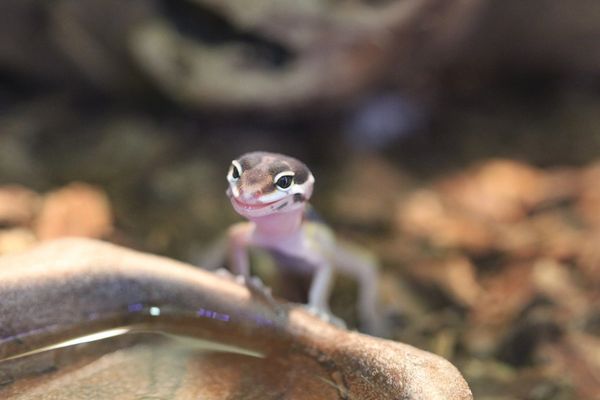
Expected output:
(262, 184)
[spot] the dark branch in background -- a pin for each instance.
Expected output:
(200, 23)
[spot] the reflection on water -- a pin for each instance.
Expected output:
(136, 363)
(191, 342)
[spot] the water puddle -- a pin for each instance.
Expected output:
(191, 342)
(139, 362)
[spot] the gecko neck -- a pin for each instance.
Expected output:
(279, 225)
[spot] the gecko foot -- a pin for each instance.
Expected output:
(258, 288)
(256, 284)
(325, 315)
(224, 273)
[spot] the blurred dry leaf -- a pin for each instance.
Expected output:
(424, 214)
(559, 185)
(518, 247)
(504, 295)
(557, 237)
(588, 257)
(18, 205)
(518, 240)
(455, 276)
(501, 190)
(588, 205)
(577, 356)
(78, 209)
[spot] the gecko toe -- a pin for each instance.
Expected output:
(224, 273)
(325, 315)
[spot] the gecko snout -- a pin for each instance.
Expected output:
(250, 195)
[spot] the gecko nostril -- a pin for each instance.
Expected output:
(249, 195)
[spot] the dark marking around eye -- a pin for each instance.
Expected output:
(290, 164)
(278, 167)
(301, 173)
(298, 198)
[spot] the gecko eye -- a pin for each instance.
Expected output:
(234, 171)
(284, 181)
(235, 174)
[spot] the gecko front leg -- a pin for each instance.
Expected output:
(239, 261)
(320, 288)
(239, 240)
(318, 294)
(361, 266)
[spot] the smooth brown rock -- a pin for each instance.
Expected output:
(74, 287)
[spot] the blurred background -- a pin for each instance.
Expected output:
(458, 140)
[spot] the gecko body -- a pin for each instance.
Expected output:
(272, 192)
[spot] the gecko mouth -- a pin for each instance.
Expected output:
(248, 206)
